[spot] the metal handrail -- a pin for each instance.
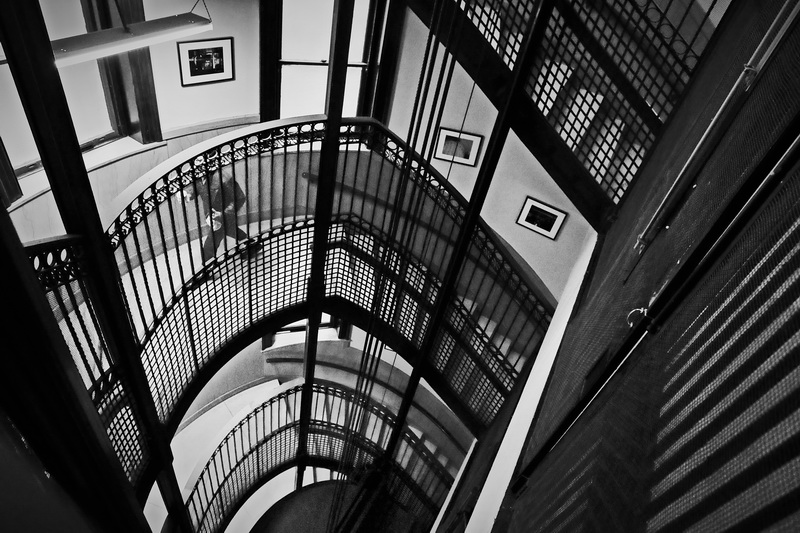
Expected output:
(58, 264)
(714, 132)
(249, 436)
(156, 226)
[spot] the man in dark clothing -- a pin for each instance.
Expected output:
(221, 198)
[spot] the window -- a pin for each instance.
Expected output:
(305, 49)
(82, 83)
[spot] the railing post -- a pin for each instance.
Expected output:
(41, 391)
(494, 148)
(30, 56)
(329, 159)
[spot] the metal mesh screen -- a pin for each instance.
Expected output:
(356, 263)
(236, 293)
(502, 24)
(194, 281)
(493, 327)
(587, 109)
(656, 45)
(702, 431)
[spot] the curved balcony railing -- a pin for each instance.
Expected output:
(387, 225)
(265, 442)
(59, 267)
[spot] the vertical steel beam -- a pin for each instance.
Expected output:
(376, 19)
(97, 16)
(30, 57)
(41, 391)
(386, 71)
(497, 139)
(270, 29)
(494, 148)
(329, 161)
(139, 88)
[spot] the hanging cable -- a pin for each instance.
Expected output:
(387, 258)
(368, 365)
(195, 5)
(454, 36)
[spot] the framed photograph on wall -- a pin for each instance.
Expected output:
(207, 61)
(541, 218)
(458, 146)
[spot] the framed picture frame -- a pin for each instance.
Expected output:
(206, 61)
(541, 218)
(458, 147)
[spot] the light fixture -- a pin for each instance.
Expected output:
(112, 41)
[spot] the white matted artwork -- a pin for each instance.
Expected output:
(458, 147)
(541, 218)
(206, 61)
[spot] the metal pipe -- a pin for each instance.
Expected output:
(663, 304)
(713, 132)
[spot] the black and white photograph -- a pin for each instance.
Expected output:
(204, 62)
(541, 218)
(458, 147)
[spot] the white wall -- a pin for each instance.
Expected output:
(499, 477)
(518, 176)
(518, 173)
(180, 107)
(465, 103)
(81, 83)
(36, 216)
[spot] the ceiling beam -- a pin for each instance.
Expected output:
(492, 75)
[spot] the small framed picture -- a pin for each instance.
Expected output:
(541, 218)
(208, 61)
(458, 147)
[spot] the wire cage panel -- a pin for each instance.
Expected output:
(502, 23)
(194, 279)
(58, 265)
(267, 439)
(587, 109)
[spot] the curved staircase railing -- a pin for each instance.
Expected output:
(185, 310)
(264, 444)
(596, 79)
(59, 266)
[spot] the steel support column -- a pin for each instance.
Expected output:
(270, 29)
(492, 75)
(41, 391)
(30, 56)
(447, 293)
(383, 75)
(494, 149)
(329, 161)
